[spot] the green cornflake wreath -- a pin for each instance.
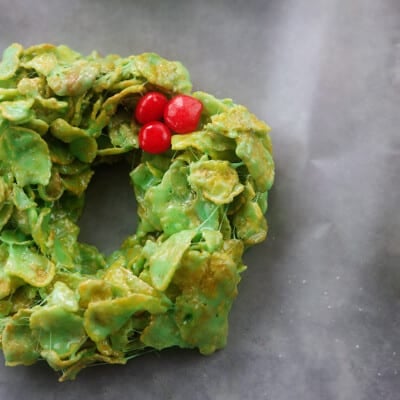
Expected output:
(200, 205)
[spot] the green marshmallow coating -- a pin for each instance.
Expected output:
(200, 205)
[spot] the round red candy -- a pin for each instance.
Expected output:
(182, 113)
(150, 107)
(154, 137)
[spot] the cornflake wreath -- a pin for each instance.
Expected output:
(201, 203)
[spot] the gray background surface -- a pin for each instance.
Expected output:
(317, 316)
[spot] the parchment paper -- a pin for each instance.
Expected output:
(317, 316)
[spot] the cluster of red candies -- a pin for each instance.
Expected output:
(161, 117)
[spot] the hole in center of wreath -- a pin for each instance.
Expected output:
(110, 212)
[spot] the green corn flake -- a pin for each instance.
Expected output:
(8, 94)
(67, 133)
(21, 200)
(212, 144)
(4, 190)
(8, 284)
(163, 332)
(18, 111)
(33, 268)
(123, 134)
(127, 281)
(57, 329)
(78, 183)
(166, 258)
(19, 346)
(84, 149)
(102, 318)
(168, 206)
(212, 105)
(64, 247)
(40, 223)
(43, 63)
(10, 63)
(12, 237)
(169, 75)
(73, 168)
(5, 214)
(235, 120)
(89, 259)
(249, 224)
(258, 161)
(206, 301)
(262, 201)
(30, 87)
(66, 55)
(39, 126)
(216, 180)
(54, 190)
(28, 155)
(213, 239)
(59, 153)
(53, 104)
(74, 79)
(63, 296)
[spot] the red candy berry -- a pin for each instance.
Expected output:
(182, 113)
(154, 137)
(150, 107)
